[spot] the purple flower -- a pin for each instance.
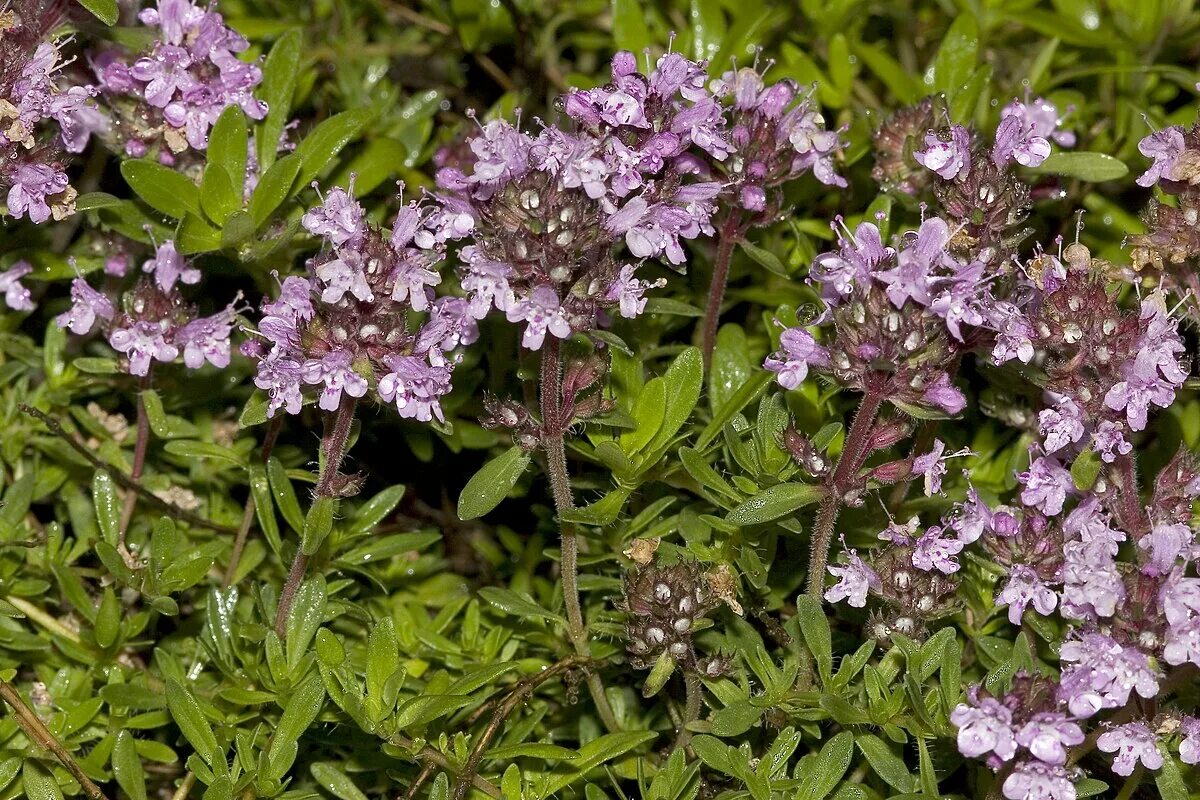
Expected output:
(336, 372)
(1109, 441)
(164, 73)
(1013, 333)
(1036, 780)
(855, 579)
(1179, 599)
(950, 157)
(1132, 742)
(294, 302)
(339, 219)
(453, 316)
(207, 339)
(984, 726)
(143, 342)
(541, 313)
(859, 254)
(1182, 644)
(933, 466)
(797, 351)
(1046, 485)
(972, 518)
(1099, 673)
(1166, 544)
(501, 155)
(415, 387)
(410, 280)
(1042, 118)
(1061, 425)
(1189, 748)
(344, 275)
(486, 283)
(169, 267)
(16, 296)
(944, 395)
(87, 306)
(1048, 734)
(936, 551)
(31, 185)
(1163, 148)
(911, 278)
(1017, 140)
(280, 376)
(629, 292)
(1026, 588)
(957, 301)
(1092, 585)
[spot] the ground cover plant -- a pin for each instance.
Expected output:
(599, 399)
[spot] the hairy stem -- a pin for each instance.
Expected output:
(1133, 516)
(239, 542)
(333, 450)
(727, 238)
(41, 736)
(691, 711)
(139, 463)
(854, 452)
(553, 428)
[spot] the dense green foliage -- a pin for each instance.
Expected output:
(428, 652)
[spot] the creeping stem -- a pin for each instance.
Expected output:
(553, 428)
(854, 452)
(333, 450)
(40, 735)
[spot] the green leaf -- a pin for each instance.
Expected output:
(832, 763)
(1091, 167)
(273, 188)
(1169, 780)
(629, 28)
(426, 708)
(302, 708)
(228, 147)
(285, 495)
(771, 504)
(306, 614)
(38, 783)
(162, 188)
(374, 511)
(1085, 469)
(814, 625)
(886, 764)
(317, 524)
(335, 781)
(127, 767)
(104, 10)
(512, 603)
(193, 450)
(280, 70)
(217, 194)
(196, 235)
(108, 619)
(660, 673)
(765, 258)
(956, 58)
(596, 752)
(326, 140)
(492, 483)
(108, 507)
(186, 712)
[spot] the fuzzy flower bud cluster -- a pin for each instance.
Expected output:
(343, 330)
(151, 321)
(664, 604)
(173, 93)
(553, 228)
(44, 115)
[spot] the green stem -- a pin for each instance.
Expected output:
(553, 428)
(853, 454)
(333, 448)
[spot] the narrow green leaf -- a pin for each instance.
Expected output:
(186, 712)
(104, 10)
(1091, 167)
(273, 188)
(127, 767)
(886, 764)
(492, 483)
(512, 603)
(815, 627)
(326, 140)
(771, 504)
(280, 70)
(335, 781)
(228, 147)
